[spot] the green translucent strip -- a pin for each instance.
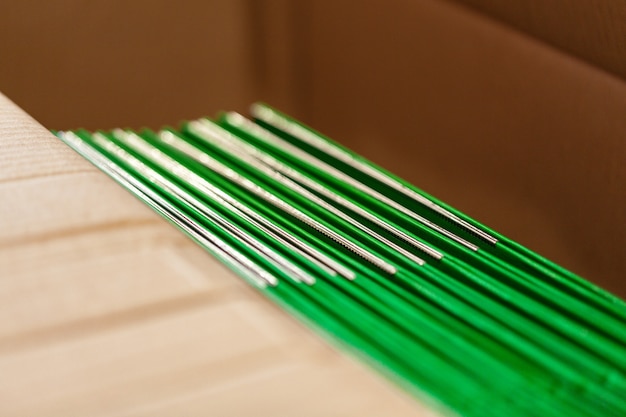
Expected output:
(618, 356)
(474, 375)
(515, 251)
(395, 337)
(534, 402)
(213, 152)
(473, 330)
(607, 326)
(388, 333)
(213, 155)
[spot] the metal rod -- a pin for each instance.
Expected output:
(224, 171)
(227, 253)
(241, 122)
(273, 118)
(216, 136)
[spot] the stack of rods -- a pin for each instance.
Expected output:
(454, 312)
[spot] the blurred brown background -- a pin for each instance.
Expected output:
(512, 112)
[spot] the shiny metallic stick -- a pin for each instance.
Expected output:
(223, 250)
(221, 169)
(160, 181)
(227, 201)
(241, 122)
(205, 128)
(271, 117)
(216, 136)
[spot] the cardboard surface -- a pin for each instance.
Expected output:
(108, 310)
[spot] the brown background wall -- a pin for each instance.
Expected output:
(99, 64)
(511, 130)
(593, 30)
(527, 139)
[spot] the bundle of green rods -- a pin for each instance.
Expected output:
(457, 314)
